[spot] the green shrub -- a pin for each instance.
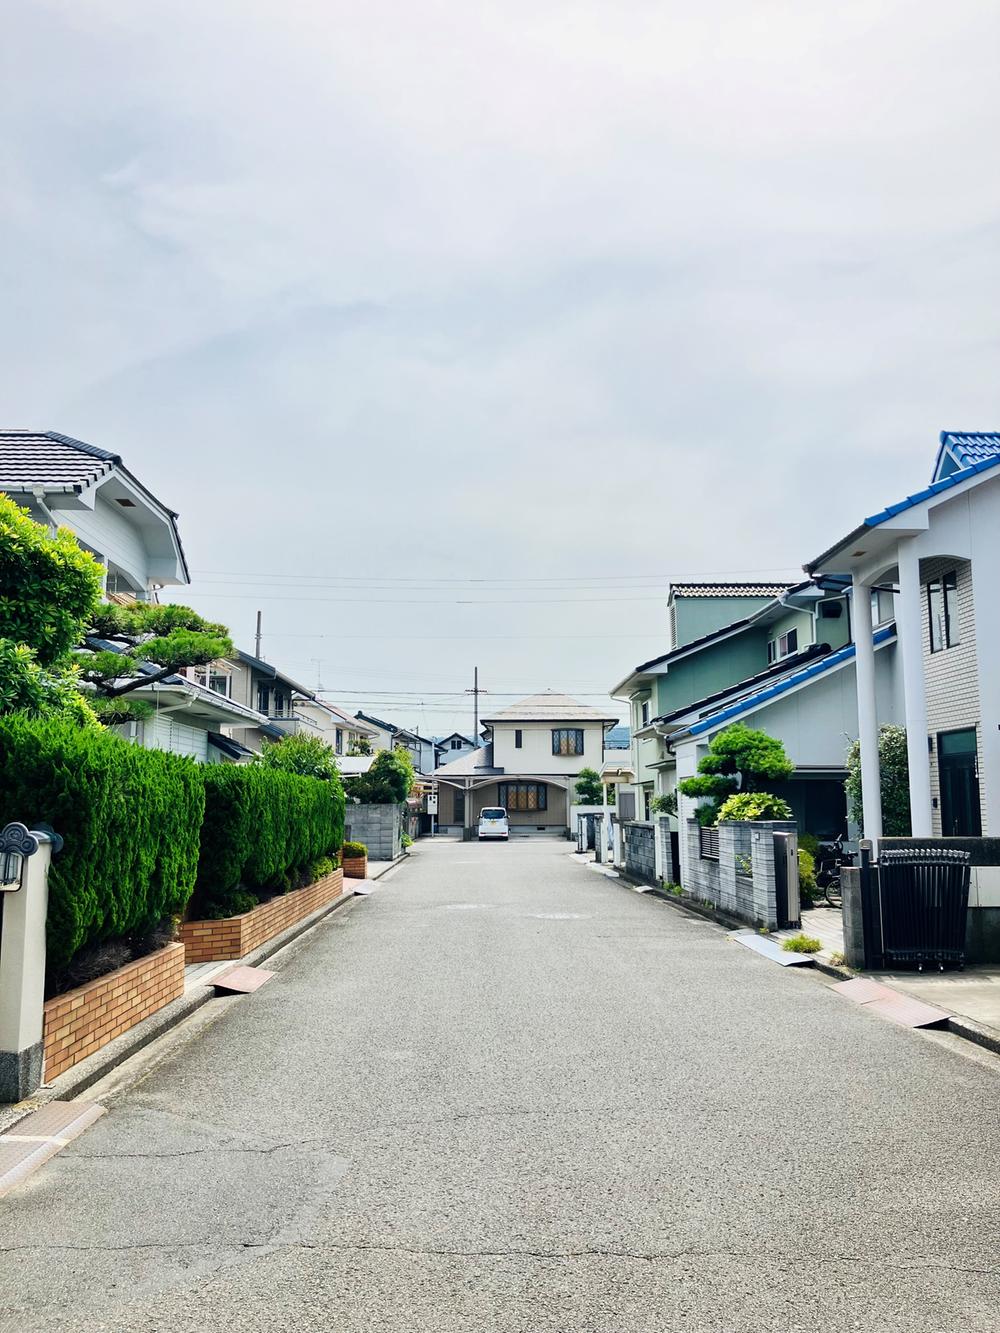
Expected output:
(808, 842)
(309, 756)
(129, 817)
(802, 944)
(894, 777)
(807, 873)
(263, 830)
(665, 805)
(754, 805)
(320, 868)
(388, 781)
(354, 849)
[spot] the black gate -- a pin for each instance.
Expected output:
(923, 900)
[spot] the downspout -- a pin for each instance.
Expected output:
(39, 494)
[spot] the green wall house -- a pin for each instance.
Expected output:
(723, 638)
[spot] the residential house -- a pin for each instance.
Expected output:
(284, 706)
(423, 752)
(534, 753)
(455, 746)
(937, 553)
(188, 717)
(786, 668)
(65, 482)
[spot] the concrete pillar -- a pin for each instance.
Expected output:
(909, 629)
(871, 781)
(22, 975)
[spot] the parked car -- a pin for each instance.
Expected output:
(493, 823)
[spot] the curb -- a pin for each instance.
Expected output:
(90, 1071)
(966, 1028)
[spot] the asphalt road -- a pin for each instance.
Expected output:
(505, 1093)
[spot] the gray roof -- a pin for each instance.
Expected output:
(31, 458)
(61, 464)
(550, 707)
(728, 589)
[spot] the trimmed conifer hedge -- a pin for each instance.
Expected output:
(130, 819)
(264, 830)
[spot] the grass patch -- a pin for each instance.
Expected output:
(802, 944)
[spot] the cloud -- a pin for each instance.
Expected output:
(531, 288)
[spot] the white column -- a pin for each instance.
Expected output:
(909, 630)
(22, 977)
(871, 782)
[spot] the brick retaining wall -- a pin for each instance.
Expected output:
(80, 1022)
(236, 936)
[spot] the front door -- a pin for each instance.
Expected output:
(959, 773)
(459, 807)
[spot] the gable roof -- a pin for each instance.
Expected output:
(989, 461)
(962, 449)
(377, 722)
(549, 707)
(747, 703)
(61, 464)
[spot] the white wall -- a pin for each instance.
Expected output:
(535, 754)
(164, 731)
(107, 530)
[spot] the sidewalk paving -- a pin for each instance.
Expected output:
(973, 993)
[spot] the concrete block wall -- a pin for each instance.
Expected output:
(379, 827)
(640, 851)
(751, 898)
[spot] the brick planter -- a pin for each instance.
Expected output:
(236, 936)
(356, 867)
(80, 1022)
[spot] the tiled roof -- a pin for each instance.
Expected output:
(44, 458)
(962, 449)
(550, 707)
(618, 738)
(728, 589)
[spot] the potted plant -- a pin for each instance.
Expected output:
(355, 860)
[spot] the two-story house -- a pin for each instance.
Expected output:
(65, 482)
(424, 752)
(787, 668)
(938, 550)
(534, 753)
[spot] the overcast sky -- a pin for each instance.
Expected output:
(421, 313)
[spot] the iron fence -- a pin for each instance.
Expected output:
(923, 895)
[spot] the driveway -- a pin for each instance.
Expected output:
(505, 1093)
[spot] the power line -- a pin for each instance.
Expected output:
(503, 579)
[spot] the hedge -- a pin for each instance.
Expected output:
(264, 829)
(130, 819)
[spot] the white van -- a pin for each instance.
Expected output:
(493, 823)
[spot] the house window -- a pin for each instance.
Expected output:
(517, 738)
(218, 681)
(942, 606)
(783, 646)
(339, 742)
(883, 606)
(567, 740)
(522, 795)
(645, 711)
(647, 803)
(263, 699)
(456, 744)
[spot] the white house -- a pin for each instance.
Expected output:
(455, 746)
(65, 482)
(534, 753)
(388, 736)
(938, 552)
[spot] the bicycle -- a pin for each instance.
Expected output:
(830, 860)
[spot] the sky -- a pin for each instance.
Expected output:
(455, 331)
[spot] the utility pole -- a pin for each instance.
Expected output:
(257, 640)
(475, 692)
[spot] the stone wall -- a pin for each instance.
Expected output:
(640, 851)
(379, 827)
